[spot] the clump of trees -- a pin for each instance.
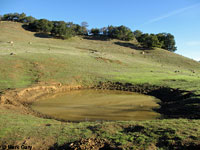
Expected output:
(160, 40)
(58, 29)
(167, 40)
(65, 30)
(42, 25)
(119, 32)
(17, 17)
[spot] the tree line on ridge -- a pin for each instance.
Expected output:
(65, 30)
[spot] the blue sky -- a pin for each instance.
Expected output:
(178, 17)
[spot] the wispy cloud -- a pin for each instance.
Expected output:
(175, 12)
(193, 43)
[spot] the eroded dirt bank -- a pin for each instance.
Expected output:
(21, 99)
(174, 102)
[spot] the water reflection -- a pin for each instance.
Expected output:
(98, 105)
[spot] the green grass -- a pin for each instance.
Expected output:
(86, 62)
(72, 61)
(16, 128)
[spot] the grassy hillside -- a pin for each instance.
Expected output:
(87, 61)
(27, 58)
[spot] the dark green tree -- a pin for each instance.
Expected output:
(152, 41)
(78, 29)
(43, 25)
(120, 32)
(111, 31)
(168, 41)
(29, 19)
(69, 33)
(62, 30)
(137, 33)
(149, 40)
(95, 31)
(22, 17)
(18, 18)
(123, 33)
(142, 39)
(59, 28)
(104, 31)
(11, 17)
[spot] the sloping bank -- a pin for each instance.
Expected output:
(21, 99)
(175, 103)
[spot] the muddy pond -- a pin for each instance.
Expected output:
(96, 105)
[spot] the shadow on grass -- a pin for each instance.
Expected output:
(174, 103)
(99, 38)
(163, 136)
(26, 27)
(177, 103)
(131, 45)
(42, 35)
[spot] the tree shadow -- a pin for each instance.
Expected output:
(131, 45)
(174, 103)
(99, 38)
(42, 35)
(27, 27)
(177, 103)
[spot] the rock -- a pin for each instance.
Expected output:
(11, 42)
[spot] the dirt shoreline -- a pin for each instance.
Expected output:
(21, 99)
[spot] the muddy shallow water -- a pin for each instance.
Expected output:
(95, 105)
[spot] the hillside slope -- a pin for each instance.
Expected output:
(27, 58)
(87, 61)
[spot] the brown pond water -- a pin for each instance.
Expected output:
(95, 105)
